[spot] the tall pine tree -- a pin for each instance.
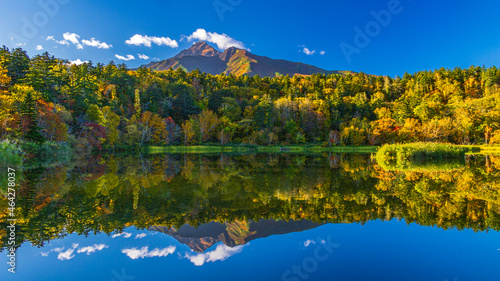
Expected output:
(30, 120)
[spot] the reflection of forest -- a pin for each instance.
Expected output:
(109, 194)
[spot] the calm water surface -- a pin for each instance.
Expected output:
(256, 217)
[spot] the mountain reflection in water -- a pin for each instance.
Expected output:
(232, 234)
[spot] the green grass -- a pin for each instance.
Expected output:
(415, 155)
(198, 149)
(306, 148)
(259, 149)
(482, 149)
(423, 166)
(473, 149)
(420, 150)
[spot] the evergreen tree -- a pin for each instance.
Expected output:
(30, 120)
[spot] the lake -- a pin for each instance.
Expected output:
(255, 217)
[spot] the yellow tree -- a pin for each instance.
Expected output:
(207, 122)
(353, 135)
(410, 132)
(137, 103)
(354, 132)
(382, 131)
(159, 127)
(112, 122)
(152, 128)
(4, 79)
(131, 137)
(187, 131)
(5, 116)
(438, 130)
(273, 138)
(473, 88)
(495, 139)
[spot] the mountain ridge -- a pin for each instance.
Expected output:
(200, 48)
(235, 61)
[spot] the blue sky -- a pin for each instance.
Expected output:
(420, 34)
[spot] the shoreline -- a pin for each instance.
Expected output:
(471, 149)
(259, 149)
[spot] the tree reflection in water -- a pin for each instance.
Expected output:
(108, 194)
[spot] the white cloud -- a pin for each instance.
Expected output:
(78, 62)
(221, 252)
(57, 250)
(68, 254)
(143, 57)
(124, 234)
(145, 40)
(140, 236)
(39, 47)
(127, 58)
(96, 43)
(62, 42)
(223, 41)
(309, 242)
(21, 44)
(68, 38)
(73, 38)
(308, 52)
(92, 249)
(143, 252)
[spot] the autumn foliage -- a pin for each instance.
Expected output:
(45, 98)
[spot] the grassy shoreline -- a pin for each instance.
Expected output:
(416, 156)
(470, 149)
(259, 149)
(18, 154)
(420, 150)
(482, 149)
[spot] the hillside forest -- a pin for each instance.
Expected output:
(46, 99)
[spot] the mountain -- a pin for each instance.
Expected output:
(200, 48)
(200, 238)
(236, 61)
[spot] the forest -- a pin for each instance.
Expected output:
(90, 106)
